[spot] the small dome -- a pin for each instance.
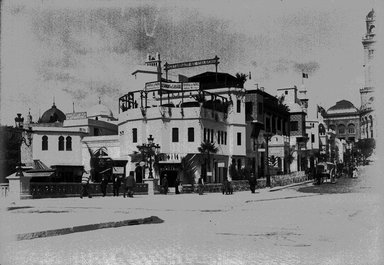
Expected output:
(371, 14)
(52, 115)
(342, 106)
(100, 110)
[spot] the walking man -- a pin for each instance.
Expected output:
(85, 184)
(252, 182)
(130, 185)
(165, 184)
(201, 185)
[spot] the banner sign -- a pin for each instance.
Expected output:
(118, 170)
(172, 86)
(191, 64)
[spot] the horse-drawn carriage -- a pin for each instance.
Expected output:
(325, 172)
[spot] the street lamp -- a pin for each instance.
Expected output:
(267, 137)
(149, 150)
(19, 123)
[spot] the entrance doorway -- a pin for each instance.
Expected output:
(139, 174)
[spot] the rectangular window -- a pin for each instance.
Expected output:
(294, 126)
(175, 135)
(211, 135)
(267, 124)
(134, 135)
(218, 137)
(191, 134)
(238, 104)
(238, 138)
(312, 138)
(225, 138)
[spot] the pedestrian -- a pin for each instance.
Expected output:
(224, 186)
(252, 182)
(116, 184)
(85, 179)
(165, 184)
(177, 183)
(104, 184)
(130, 184)
(229, 185)
(201, 185)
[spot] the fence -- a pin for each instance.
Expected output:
(57, 190)
(4, 190)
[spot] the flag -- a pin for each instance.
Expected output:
(305, 75)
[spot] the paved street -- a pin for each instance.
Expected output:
(300, 225)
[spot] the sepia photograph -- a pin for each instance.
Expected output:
(191, 132)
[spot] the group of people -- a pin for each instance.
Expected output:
(129, 184)
(165, 185)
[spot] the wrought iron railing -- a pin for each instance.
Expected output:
(51, 190)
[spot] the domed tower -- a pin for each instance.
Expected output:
(367, 110)
(366, 93)
(52, 115)
(100, 112)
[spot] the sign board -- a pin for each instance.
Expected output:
(118, 170)
(261, 149)
(172, 86)
(191, 64)
(209, 174)
(221, 164)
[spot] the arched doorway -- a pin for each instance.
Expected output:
(139, 174)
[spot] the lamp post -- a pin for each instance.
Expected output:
(149, 150)
(267, 137)
(19, 124)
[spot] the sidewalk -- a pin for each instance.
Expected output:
(28, 219)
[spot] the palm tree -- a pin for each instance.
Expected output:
(206, 148)
(95, 161)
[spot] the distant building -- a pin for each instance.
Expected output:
(344, 119)
(297, 119)
(265, 115)
(57, 141)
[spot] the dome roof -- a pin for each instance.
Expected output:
(52, 115)
(342, 106)
(371, 14)
(100, 110)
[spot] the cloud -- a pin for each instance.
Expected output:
(309, 67)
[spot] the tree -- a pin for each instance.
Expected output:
(241, 78)
(207, 148)
(365, 147)
(188, 168)
(99, 161)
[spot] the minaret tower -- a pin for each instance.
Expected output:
(366, 93)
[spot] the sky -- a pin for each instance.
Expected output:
(75, 51)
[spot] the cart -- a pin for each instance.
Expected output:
(325, 173)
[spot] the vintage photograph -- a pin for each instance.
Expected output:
(191, 132)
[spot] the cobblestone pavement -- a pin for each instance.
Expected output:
(283, 227)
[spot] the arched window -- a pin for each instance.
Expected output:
(351, 129)
(321, 129)
(68, 143)
(341, 129)
(61, 143)
(44, 143)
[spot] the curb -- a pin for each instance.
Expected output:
(85, 228)
(290, 185)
